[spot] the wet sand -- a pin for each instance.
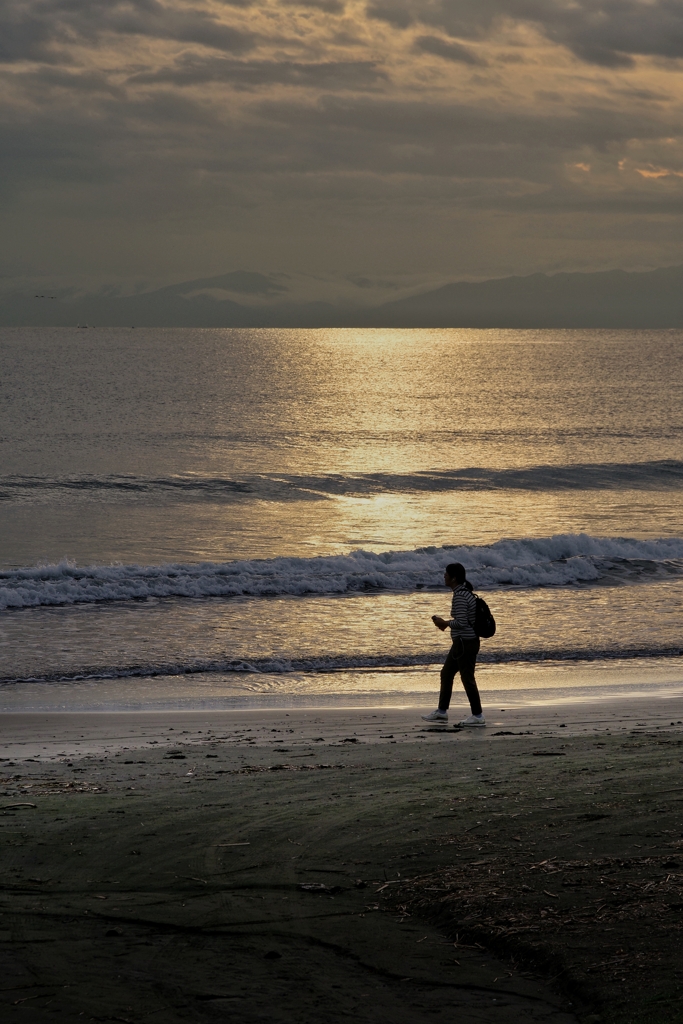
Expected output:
(274, 866)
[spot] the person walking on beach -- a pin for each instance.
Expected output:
(463, 654)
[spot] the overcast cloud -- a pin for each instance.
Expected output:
(395, 143)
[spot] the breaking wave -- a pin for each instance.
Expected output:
(560, 561)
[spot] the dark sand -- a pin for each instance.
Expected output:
(529, 872)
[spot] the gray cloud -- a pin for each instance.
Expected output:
(436, 124)
(455, 52)
(328, 6)
(196, 70)
(575, 201)
(23, 32)
(604, 32)
(467, 19)
(187, 150)
(608, 32)
(154, 135)
(34, 29)
(48, 79)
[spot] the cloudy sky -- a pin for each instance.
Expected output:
(346, 148)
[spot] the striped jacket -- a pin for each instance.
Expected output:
(463, 608)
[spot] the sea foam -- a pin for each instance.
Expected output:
(558, 561)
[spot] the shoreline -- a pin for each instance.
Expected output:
(50, 735)
(521, 685)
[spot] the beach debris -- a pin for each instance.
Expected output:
(350, 739)
(548, 753)
(393, 881)
(50, 787)
(507, 732)
(604, 894)
(319, 888)
(250, 769)
(16, 807)
(175, 755)
(272, 954)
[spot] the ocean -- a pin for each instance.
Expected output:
(261, 518)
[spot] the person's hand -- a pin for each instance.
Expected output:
(439, 622)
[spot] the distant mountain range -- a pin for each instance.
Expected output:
(613, 298)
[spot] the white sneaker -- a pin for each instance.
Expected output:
(472, 721)
(436, 716)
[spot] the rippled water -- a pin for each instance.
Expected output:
(281, 504)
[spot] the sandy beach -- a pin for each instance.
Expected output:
(282, 866)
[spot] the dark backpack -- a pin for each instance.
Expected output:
(484, 622)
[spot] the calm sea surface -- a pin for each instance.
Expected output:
(228, 518)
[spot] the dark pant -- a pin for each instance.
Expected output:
(461, 658)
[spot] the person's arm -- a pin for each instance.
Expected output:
(440, 623)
